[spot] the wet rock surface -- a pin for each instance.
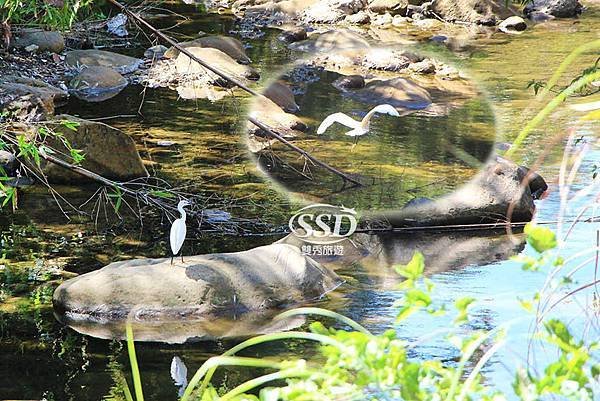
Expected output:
(31, 99)
(97, 84)
(108, 152)
(216, 58)
(282, 95)
(203, 287)
(398, 92)
(499, 193)
(78, 59)
(554, 8)
(228, 45)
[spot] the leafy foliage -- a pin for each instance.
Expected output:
(59, 14)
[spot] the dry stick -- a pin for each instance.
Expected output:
(270, 131)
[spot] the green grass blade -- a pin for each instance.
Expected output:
(550, 107)
(206, 371)
(326, 313)
(135, 371)
(259, 381)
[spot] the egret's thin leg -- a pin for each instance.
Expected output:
(171, 259)
(355, 143)
(182, 257)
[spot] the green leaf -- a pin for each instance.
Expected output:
(541, 239)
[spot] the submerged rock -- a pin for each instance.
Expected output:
(398, 92)
(283, 96)
(228, 45)
(44, 41)
(268, 112)
(78, 59)
(349, 82)
(498, 193)
(204, 287)
(97, 84)
(108, 152)
(295, 34)
(215, 58)
(555, 8)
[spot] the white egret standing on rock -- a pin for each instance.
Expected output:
(179, 230)
(359, 128)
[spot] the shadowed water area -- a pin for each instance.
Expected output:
(39, 357)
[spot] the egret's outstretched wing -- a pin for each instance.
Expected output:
(337, 118)
(386, 109)
(178, 233)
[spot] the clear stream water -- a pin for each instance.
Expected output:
(39, 357)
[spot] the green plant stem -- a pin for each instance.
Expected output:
(549, 108)
(135, 371)
(259, 381)
(567, 62)
(324, 312)
(248, 343)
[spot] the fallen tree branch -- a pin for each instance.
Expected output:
(269, 130)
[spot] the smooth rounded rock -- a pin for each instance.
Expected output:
(44, 41)
(283, 96)
(215, 58)
(203, 287)
(398, 92)
(514, 24)
(78, 59)
(97, 84)
(228, 45)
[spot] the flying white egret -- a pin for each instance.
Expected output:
(359, 128)
(179, 230)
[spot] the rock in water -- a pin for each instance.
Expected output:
(108, 152)
(349, 82)
(496, 194)
(99, 58)
(265, 110)
(485, 12)
(513, 24)
(155, 52)
(46, 41)
(97, 84)
(555, 8)
(339, 39)
(388, 6)
(216, 59)
(230, 46)
(398, 92)
(283, 96)
(330, 11)
(117, 25)
(205, 287)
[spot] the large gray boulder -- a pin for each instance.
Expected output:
(556, 8)
(108, 152)
(501, 191)
(78, 59)
(97, 84)
(201, 288)
(42, 41)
